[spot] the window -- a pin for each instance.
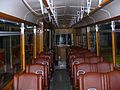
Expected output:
(63, 39)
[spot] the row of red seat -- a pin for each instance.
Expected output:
(84, 68)
(100, 81)
(82, 61)
(37, 75)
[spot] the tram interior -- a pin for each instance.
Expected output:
(60, 45)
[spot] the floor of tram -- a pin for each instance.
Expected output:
(60, 78)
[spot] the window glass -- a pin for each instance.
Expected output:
(63, 39)
(16, 53)
(117, 41)
(84, 40)
(117, 37)
(9, 51)
(105, 42)
(92, 40)
(28, 47)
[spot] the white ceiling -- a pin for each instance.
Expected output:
(66, 10)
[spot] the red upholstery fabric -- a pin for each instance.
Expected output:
(91, 59)
(101, 67)
(43, 61)
(100, 81)
(27, 81)
(39, 69)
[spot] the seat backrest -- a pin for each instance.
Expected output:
(90, 60)
(114, 78)
(39, 69)
(103, 67)
(79, 69)
(39, 59)
(90, 81)
(93, 59)
(83, 68)
(89, 54)
(100, 81)
(45, 57)
(27, 81)
(43, 61)
(35, 68)
(77, 60)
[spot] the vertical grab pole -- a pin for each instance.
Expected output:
(82, 36)
(34, 40)
(88, 38)
(22, 47)
(113, 43)
(74, 37)
(41, 38)
(97, 40)
(78, 40)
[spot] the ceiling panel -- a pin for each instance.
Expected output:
(66, 10)
(34, 3)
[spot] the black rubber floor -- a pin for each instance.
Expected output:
(60, 80)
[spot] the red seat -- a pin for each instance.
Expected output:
(91, 81)
(91, 59)
(104, 67)
(47, 56)
(89, 54)
(100, 81)
(44, 61)
(75, 62)
(76, 53)
(83, 68)
(27, 81)
(39, 69)
(114, 80)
